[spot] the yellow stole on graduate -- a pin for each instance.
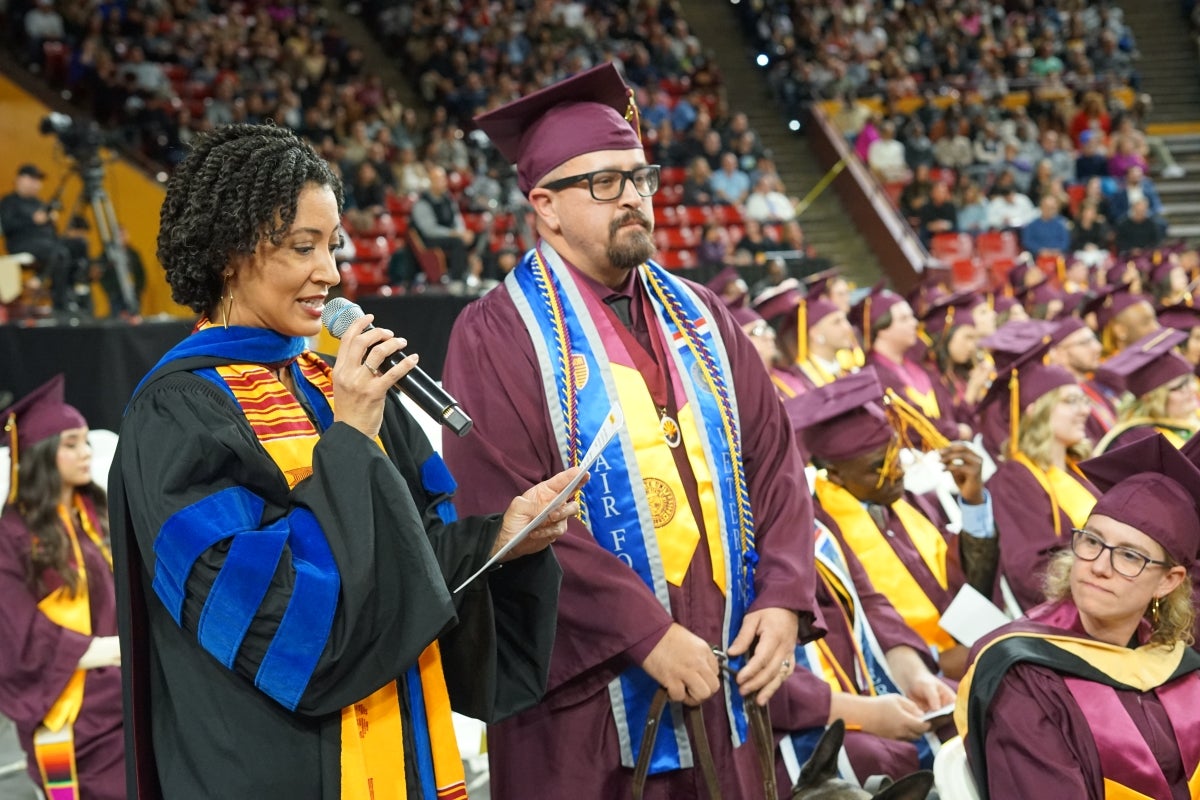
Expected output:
(888, 573)
(372, 761)
(817, 373)
(1064, 491)
(54, 740)
(1177, 434)
(675, 527)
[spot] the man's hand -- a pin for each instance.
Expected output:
(685, 665)
(774, 660)
(966, 467)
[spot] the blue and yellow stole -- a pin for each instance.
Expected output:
(868, 675)
(372, 728)
(634, 503)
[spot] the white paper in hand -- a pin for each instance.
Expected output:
(971, 616)
(612, 424)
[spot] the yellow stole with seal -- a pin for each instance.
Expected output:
(54, 740)
(888, 573)
(372, 768)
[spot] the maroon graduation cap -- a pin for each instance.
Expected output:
(588, 112)
(1151, 485)
(842, 419)
(36, 417)
(1147, 364)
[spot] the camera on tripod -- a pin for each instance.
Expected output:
(81, 141)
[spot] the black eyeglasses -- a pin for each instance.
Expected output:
(609, 184)
(1125, 561)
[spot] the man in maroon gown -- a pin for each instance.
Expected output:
(610, 621)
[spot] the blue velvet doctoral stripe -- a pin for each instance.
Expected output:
(240, 344)
(420, 732)
(239, 590)
(192, 530)
(436, 478)
(300, 639)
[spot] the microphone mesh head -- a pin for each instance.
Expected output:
(338, 314)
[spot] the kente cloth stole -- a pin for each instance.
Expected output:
(1098, 407)
(54, 739)
(868, 675)
(372, 768)
(635, 483)
(1130, 769)
(1066, 492)
(885, 568)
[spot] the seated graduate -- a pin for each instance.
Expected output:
(901, 540)
(889, 333)
(1094, 695)
(871, 669)
(1075, 347)
(1038, 492)
(956, 360)
(1161, 390)
(284, 535)
(812, 332)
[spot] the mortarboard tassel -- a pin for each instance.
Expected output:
(905, 417)
(10, 428)
(802, 331)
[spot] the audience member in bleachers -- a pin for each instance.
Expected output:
(43, 24)
(713, 250)
(1090, 161)
(1138, 232)
(940, 214)
(437, 218)
(1091, 231)
(754, 245)
(1010, 209)
(1136, 186)
(27, 223)
(1049, 233)
(767, 203)
(697, 188)
(973, 210)
(1125, 156)
(915, 196)
(730, 186)
(886, 156)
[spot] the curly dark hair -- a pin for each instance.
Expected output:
(239, 183)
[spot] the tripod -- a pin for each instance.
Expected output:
(93, 196)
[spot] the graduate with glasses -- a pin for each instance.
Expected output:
(692, 534)
(1094, 694)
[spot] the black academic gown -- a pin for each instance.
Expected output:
(200, 730)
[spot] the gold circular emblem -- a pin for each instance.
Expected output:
(662, 501)
(579, 368)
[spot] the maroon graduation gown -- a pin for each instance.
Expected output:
(1038, 742)
(804, 700)
(608, 618)
(1026, 530)
(892, 378)
(38, 657)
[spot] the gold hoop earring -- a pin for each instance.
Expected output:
(226, 303)
(1154, 604)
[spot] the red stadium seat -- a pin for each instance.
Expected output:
(676, 259)
(665, 216)
(951, 247)
(967, 273)
(672, 176)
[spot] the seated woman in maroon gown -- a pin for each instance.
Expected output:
(956, 360)
(889, 332)
(1038, 493)
(60, 679)
(1161, 387)
(1095, 694)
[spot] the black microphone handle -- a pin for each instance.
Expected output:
(429, 397)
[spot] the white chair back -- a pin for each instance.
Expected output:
(951, 773)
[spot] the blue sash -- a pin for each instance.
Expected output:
(798, 746)
(580, 390)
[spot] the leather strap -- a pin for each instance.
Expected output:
(759, 721)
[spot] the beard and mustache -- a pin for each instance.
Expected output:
(628, 252)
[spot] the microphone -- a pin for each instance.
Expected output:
(338, 315)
